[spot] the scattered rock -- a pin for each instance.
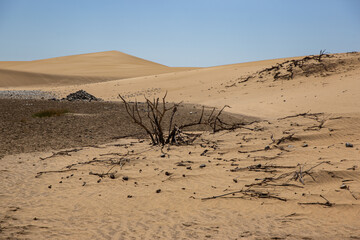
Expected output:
(305, 145)
(349, 145)
(98, 181)
(112, 176)
(35, 218)
(125, 178)
(129, 196)
(189, 168)
(163, 155)
(235, 180)
(267, 147)
(167, 173)
(202, 165)
(81, 95)
(343, 186)
(204, 152)
(49, 186)
(84, 183)
(158, 191)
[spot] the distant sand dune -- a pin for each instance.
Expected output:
(79, 69)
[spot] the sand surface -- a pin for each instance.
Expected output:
(289, 175)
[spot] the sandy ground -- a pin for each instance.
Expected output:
(289, 176)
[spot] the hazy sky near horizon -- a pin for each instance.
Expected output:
(178, 33)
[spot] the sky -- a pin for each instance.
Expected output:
(197, 33)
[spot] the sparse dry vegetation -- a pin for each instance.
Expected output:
(153, 121)
(50, 113)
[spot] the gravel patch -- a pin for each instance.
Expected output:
(26, 94)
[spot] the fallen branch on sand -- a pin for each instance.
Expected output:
(300, 174)
(307, 114)
(248, 192)
(56, 171)
(260, 167)
(62, 153)
(327, 203)
(111, 161)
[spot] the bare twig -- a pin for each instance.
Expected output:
(56, 171)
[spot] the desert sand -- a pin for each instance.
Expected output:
(291, 172)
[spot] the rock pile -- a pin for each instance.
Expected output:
(82, 96)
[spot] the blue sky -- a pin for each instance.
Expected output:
(178, 33)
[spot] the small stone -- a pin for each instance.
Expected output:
(35, 218)
(184, 175)
(343, 186)
(125, 178)
(163, 155)
(167, 173)
(129, 196)
(202, 165)
(60, 182)
(98, 181)
(158, 191)
(49, 186)
(349, 145)
(188, 168)
(235, 180)
(305, 145)
(267, 147)
(112, 176)
(84, 183)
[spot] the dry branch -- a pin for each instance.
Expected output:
(62, 153)
(56, 171)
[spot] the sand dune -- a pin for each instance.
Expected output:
(331, 90)
(292, 174)
(79, 69)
